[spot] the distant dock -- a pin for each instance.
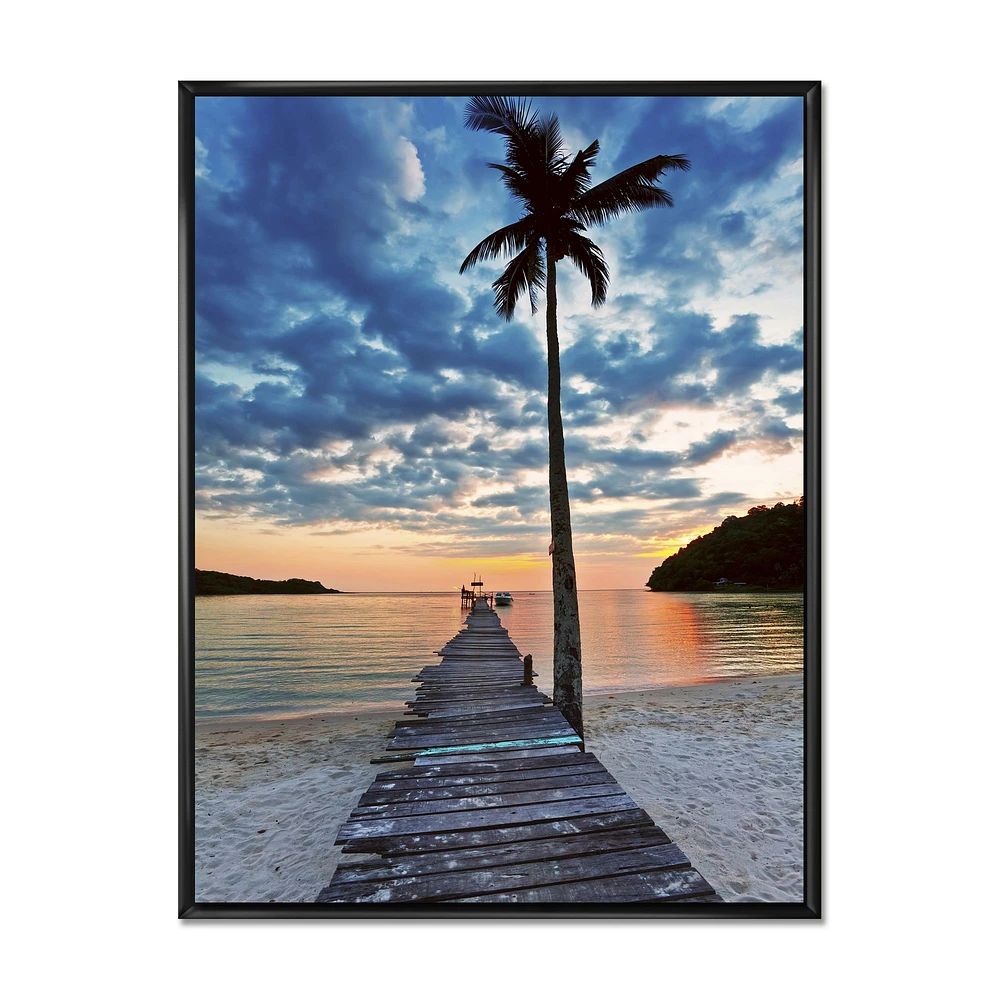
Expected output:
(500, 803)
(474, 592)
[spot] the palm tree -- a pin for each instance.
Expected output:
(559, 204)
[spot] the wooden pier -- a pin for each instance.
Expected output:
(492, 799)
(474, 593)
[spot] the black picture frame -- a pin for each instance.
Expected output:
(811, 906)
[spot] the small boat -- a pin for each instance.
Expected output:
(503, 597)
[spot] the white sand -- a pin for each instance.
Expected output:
(717, 766)
(296, 781)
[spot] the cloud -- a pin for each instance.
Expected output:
(411, 182)
(348, 377)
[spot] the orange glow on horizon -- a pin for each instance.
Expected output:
(671, 545)
(385, 560)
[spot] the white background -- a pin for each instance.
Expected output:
(89, 721)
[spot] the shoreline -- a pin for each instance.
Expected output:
(718, 765)
(596, 697)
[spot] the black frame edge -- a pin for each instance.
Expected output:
(499, 911)
(812, 676)
(185, 289)
(517, 88)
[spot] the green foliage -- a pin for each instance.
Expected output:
(764, 550)
(209, 583)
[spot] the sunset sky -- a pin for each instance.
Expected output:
(364, 418)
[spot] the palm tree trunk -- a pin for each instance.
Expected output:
(567, 672)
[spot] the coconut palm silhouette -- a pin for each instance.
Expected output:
(559, 202)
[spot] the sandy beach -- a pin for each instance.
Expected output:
(717, 766)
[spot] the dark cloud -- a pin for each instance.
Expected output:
(689, 364)
(681, 244)
(348, 376)
(711, 447)
(791, 402)
(735, 229)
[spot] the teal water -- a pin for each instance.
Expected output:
(283, 656)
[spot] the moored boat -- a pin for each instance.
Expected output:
(503, 597)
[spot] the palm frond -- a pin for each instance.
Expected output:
(629, 191)
(505, 115)
(551, 145)
(590, 260)
(523, 274)
(576, 177)
(504, 241)
(512, 118)
(608, 205)
(517, 184)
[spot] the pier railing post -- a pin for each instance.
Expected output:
(527, 670)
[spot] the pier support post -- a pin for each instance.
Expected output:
(527, 670)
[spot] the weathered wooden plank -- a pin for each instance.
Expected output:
(479, 701)
(511, 684)
(417, 779)
(551, 720)
(437, 710)
(472, 646)
(486, 755)
(440, 713)
(481, 735)
(457, 804)
(471, 747)
(476, 658)
(434, 862)
(442, 727)
(534, 711)
(444, 710)
(639, 887)
(527, 713)
(470, 674)
(513, 877)
(455, 686)
(496, 764)
(533, 708)
(473, 672)
(469, 668)
(514, 696)
(375, 827)
(443, 788)
(402, 845)
(511, 693)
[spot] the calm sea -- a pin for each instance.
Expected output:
(283, 656)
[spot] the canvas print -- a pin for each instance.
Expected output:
(499, 501)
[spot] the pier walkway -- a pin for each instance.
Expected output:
(492, 800)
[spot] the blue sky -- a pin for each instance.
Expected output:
(363, 416)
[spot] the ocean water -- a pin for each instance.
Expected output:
(282, 656)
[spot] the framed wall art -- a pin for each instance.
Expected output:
(499, 576)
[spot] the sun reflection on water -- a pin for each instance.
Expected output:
(278, 656)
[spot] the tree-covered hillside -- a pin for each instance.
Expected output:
(764, 549)
(209, 583)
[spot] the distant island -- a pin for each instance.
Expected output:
(763, 551)
(209, 584)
